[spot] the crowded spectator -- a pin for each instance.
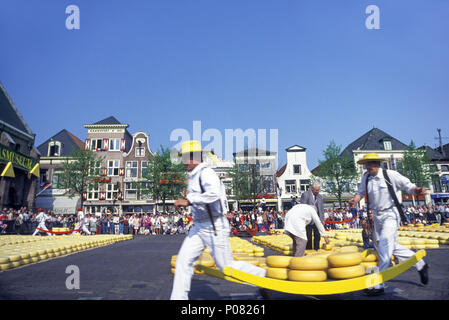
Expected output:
(23, 220)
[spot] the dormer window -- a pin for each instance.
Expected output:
(387, 144)
(54, 149)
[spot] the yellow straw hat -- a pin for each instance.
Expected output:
(191, 146)
(371, 157)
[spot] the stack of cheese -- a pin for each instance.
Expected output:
(433, 237)
(239, 245)
(60, 229)
(204, 259)
(282, 243)
(22, 250)
(345, 264)
(278, 267)
(309, 268)
(207, 260)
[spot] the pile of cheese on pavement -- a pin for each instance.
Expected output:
(410, 237)
(17, 250)
(241, 250)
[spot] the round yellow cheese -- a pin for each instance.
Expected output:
(307, 275)
(278, 261)
(315, 262)
(277, 273)
(346, 272)
(344, 259)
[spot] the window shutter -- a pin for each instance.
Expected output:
(105, 144)
(122, 146)
(87, 144)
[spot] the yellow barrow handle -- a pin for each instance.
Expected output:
(317, 288)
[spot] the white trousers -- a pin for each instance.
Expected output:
(386, 240)
(201, 236)
(82, 227)
(41, 226)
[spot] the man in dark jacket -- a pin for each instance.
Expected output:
(313, 198)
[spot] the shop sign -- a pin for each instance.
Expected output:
(18, 160)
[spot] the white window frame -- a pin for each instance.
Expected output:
(115, 166)
(288, 187)
(144, 186)
(43, 175)
(55, 178)
(130, 186)
(114, 144)
(266, 165)
(93, 193)
(140, 154)
(95, 168)
(142, 167)
(96, 147)
(387, 145)
(111, 191)
(297, 165)
(52, 144)
(128, 169)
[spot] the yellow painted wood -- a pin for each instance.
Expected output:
(8, 171)
(217, 274)
(325, 287)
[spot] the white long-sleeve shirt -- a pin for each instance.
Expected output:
(41, 217)
(378, 194)
(214, 192)
(298, 217)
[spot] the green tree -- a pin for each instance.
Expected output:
(338, 171)
(80, 172)
(164, 178)
(247, 183)
(417, 166)
(240, 185)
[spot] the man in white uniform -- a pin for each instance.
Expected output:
(296, 220)
(81, 224)
(386, 215)
(41, 218)
(207, 198)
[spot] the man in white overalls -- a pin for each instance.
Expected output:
(41, 218)
(207, 198)
(386, 214)
(81, 224)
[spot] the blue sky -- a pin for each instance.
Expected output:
(310, 69)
